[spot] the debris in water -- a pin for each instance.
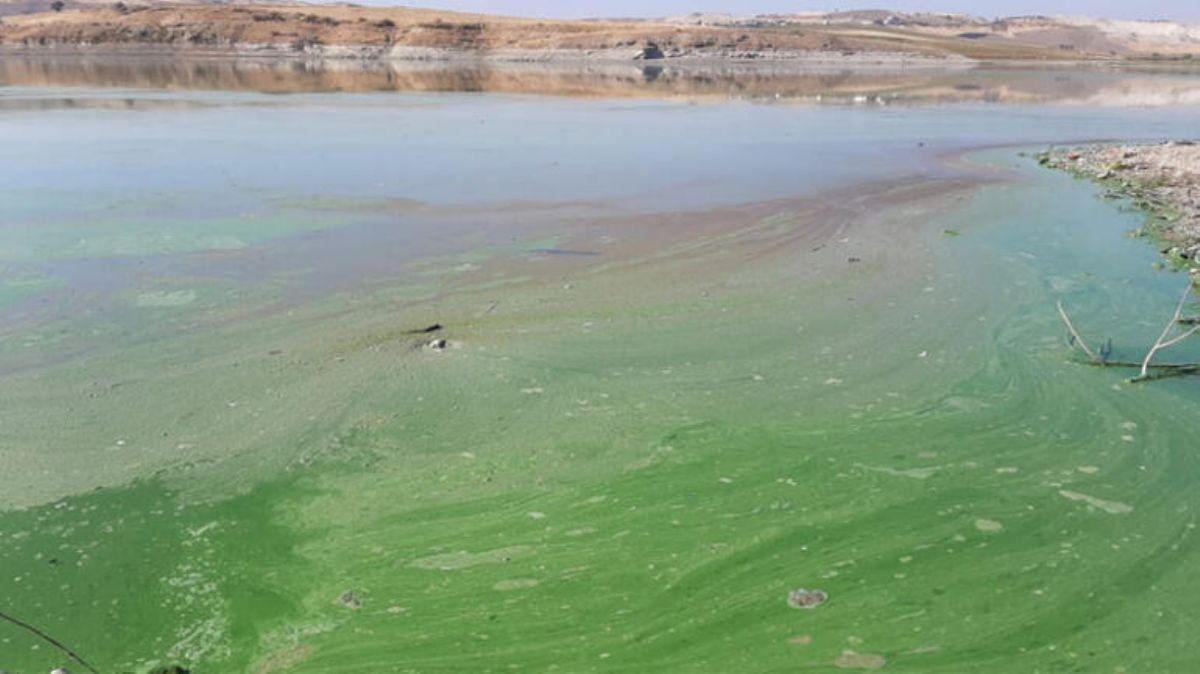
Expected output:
(803, 598)
(455, 561)
(566, 252)
(915, 473)
(350, 599)
(427, 330)
(1110, 507)
(988, 526)
(515, 584)
(852, 660)
(438, 344)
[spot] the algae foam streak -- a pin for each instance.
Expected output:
(344, 382)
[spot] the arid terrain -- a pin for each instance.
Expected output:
(422, 34)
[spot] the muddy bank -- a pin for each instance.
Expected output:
(1162, 179)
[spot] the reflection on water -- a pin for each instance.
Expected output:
(760, 82)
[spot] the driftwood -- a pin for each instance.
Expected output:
(1176, 331)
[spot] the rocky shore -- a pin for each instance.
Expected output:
(1162, 179)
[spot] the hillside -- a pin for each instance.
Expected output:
(406, 33)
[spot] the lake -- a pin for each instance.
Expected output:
(320, 368)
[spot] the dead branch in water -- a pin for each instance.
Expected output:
(1165, 341)
(48, 639)
(1076, 339)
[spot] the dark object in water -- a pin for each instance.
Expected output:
(350, 600)
(855, 259)
(803, 598)
(427, 331)
(173, 669)
(438, 344)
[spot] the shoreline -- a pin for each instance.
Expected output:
(781, 59)
(784, 59)
(1162, 180)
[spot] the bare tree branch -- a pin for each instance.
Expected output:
(1078, 339)
(1165, 340)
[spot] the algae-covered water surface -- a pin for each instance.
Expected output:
(455, 382)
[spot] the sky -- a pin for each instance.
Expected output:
(1178, 10)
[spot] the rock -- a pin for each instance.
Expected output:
(438, 344)
(60, 670)
(173, 669)
(802, 598)
(651, 52)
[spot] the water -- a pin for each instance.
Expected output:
(765, 366)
